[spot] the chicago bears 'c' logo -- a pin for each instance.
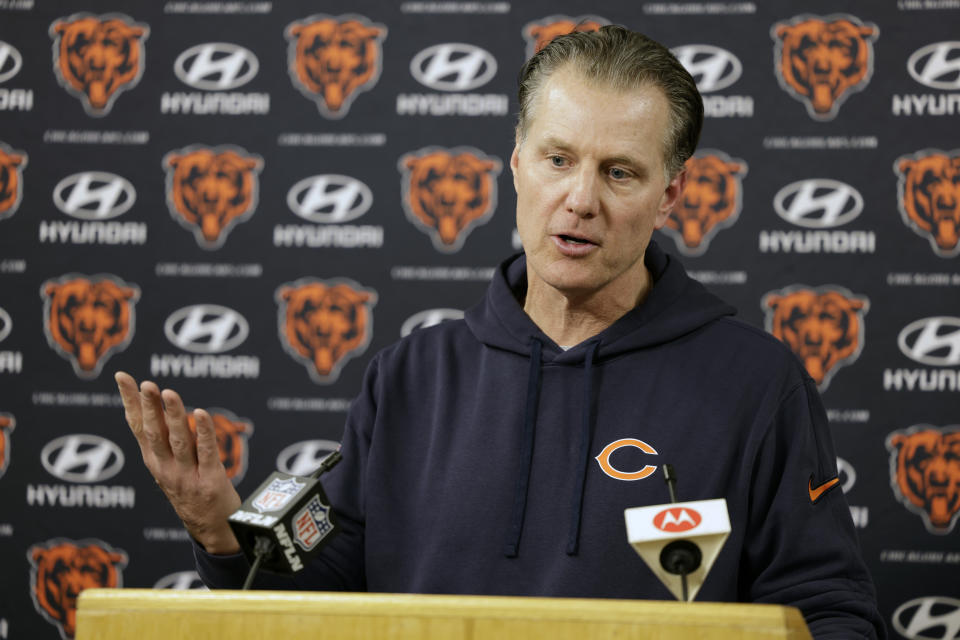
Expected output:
(332, 59)
(12, 164)
(823, 327)
(325, 323)
(449, 192)
(211, 190)
(96, 58)
(61, 569)
(539, 33)
(232, 435)
(928, 192)
(925, 473)
(822, 61)
(88, 319)
(711, 200)
(7, 423)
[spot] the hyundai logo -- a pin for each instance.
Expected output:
(10, 61)
(94, 195)
(847, 475)
(453, 66)
(712, 68)
(932, 341)
(329, 198)
(206, 328)
(181, 580)
(303, 458)
(216, 66)
(936, 65)
(82, 457)
(6, 324)
(428, 318)
(819, 203)
(930, 617)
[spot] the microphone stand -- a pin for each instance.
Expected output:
(680, 557)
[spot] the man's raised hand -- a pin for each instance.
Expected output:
(187, 468)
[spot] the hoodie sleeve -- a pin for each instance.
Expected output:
(801, 547)
(339, 566)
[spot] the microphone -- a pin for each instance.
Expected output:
(679, 541)
(285, 521)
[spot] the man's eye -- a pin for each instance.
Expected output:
(557, 161)
(618, 174)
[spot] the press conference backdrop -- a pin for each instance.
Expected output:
(246, 200)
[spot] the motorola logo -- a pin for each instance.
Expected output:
(303, 458)
(932, 341)
(818, 203)
(94, 195)
(428, 318)
(930, 617)
(206, 328)
(936, 65)
(329, 198)
(712, 68)
(82, 457)
(6, 324)
(216, 66)
(847, 475)
(181, 580)
(675, 520)
(453, 66)
(10, 61)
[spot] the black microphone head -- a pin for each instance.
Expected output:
(293, 513)
(680, 557)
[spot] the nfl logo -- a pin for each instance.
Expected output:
(277, 495)
(312, 524)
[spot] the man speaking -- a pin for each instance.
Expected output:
(496, 455)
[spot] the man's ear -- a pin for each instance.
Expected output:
(671, 197)
(515, 163)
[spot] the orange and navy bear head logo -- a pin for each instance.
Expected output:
(325, 323)
(925, 473)
(332, 59)
(711, 200)
(822, 61)
(88, 319)
(929, 196)
(539, 33)
(232, 436)
(823, 327)
(61, 569)
(96, 58)
(212, 189)
(7, 423)
(12, 164)
(449, 192)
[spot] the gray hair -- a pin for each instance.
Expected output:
(623, 60)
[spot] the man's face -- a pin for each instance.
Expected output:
(591, 185)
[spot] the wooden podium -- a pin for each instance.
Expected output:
(158, 614)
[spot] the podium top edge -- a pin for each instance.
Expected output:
(339, 603)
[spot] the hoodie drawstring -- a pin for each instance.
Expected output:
(586, 432)
(526, 452)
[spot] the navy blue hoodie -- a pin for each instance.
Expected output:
(471, 461)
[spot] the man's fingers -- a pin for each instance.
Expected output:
(130, 395)
(181, 440)
(154, 425)
(208, 454)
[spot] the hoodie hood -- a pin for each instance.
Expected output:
(676, 305)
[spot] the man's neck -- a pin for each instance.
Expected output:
(568, 319)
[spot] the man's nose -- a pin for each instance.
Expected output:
(584, 191)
